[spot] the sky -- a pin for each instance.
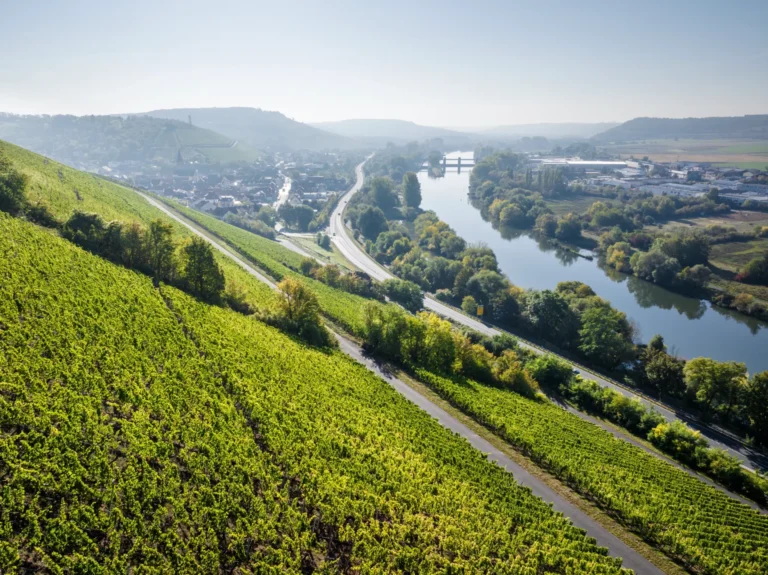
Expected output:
(452, 63)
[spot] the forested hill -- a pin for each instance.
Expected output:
(259, 128)
(742, 127)
(396, 131)
(89, 142)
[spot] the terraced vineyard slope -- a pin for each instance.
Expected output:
(689, 520)
(64, 190)
(142, 431)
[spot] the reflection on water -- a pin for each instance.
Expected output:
(692, 327)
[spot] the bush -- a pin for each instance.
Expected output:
(548, 370)
(41, 215)
(444, 295)
(469, 305)
(677, 439)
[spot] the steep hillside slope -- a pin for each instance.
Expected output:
(396, 131)
(140, 429)
(259, 128)
(736, 127)
(64, 190)
(89, 142)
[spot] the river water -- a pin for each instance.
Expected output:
(691, 327)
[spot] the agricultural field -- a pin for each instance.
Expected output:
(742, 220)
(142, 431)
(687, 519)
(344, 309)
(733, 256)
(65, 190)
(736, 153)
(573, 203)
(331, 256)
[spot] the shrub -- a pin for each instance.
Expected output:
(469, 305)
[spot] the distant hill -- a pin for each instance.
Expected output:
(551, 131)
(91, 141)
(395, 131)
(732, 127)
(259, 128)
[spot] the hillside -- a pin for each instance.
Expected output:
(89, 142)
(259, 128)
(551, 131)
(735, 127)
(395, 131)
(141, 430)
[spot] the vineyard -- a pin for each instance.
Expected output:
(65, 190)
(143, 431)
(689, 520)
(343, 308)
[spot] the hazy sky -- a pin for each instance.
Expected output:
(469, 63)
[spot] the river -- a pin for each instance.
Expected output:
(691, 327)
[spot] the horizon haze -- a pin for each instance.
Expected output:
(488, 64)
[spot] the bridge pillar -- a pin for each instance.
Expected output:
(445, 160)
(459, 162)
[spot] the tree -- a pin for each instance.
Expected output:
(756, 404)
(664, 372)
(323, 240)
(602, 338)
(406, 293)
(439, 347)
(160, 248)
(460, 283)
(12, 186)
(299, 312)
(715, 385)
(268, 215)
(695, 277)
(688, 248)
(201, 273)
(411, 190)
(85, 229)
(657, 343)
(485, 284)
(546, 224)
(469, 305)
(134, 252)
(568, 228)
(372, 222)
(550, 317)
(383, 193)
(755, 272)
(298, 217)
(655, 266)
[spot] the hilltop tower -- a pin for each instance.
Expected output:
(189, 117)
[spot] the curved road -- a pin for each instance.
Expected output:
(616, 547)
(750, 459)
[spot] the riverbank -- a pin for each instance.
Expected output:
(691, 327)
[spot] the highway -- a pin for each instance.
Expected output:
(340, 235)
(616, 547)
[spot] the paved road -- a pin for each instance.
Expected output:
(282, 195)
(750, 459)
(617, 548)
(631, 558)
